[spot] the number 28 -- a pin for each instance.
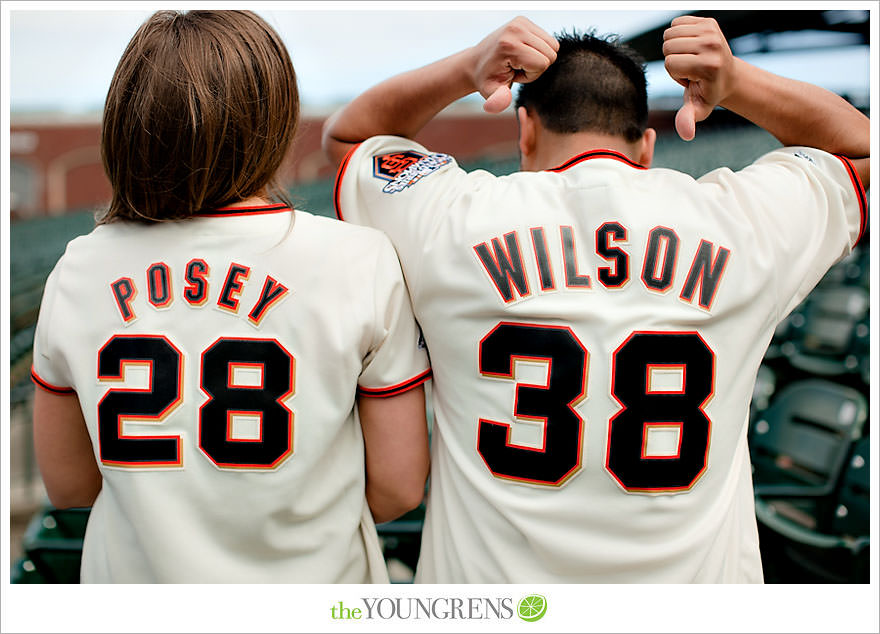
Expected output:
(226, 399)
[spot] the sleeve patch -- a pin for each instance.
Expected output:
(402, 169)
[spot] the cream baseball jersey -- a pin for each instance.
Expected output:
(594, 332)
(217, 362)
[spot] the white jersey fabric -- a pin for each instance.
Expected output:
(217, 362)
(595, 331)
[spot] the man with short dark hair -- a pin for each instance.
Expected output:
(596, 83)
(595, 326)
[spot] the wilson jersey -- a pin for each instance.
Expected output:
(595, 331)
(217, 361)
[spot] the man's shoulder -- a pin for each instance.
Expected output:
(791, 158)
(396, 163)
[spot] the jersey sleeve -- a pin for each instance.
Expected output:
(49, 370)
(397, 360)
(808, 209)
(398, 186)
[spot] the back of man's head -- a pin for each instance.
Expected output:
(595, 85)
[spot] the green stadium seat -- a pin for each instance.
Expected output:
(24, 571)
(801, 441)
(795, 553)
(53, 543)
(852, 515)
(830, 337)
(853, 270)
(401, 539)
(780, 341)
(809, 462)
(762, 393)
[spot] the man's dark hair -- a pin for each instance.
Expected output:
(596, 84)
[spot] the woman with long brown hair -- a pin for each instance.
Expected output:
(227, 382)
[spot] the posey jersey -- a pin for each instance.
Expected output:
(217, 362)
(595, 331)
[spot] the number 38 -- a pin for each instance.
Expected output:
(553, 404)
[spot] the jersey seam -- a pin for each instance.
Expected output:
(436, 219)
(266, 207)
(47, 327)
(397, 388)
(374, 343)
(856, 182)
(237, 212)
(340, 174)
(411, 274)
(49, 387)
(596, 154)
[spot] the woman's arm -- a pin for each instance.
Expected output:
(397, 457)
(64, 450)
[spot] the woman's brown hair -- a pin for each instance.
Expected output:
(201, 110)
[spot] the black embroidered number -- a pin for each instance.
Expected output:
(261, 401)
(151, 404)
(662, 380)
(244, 380)
(552, 404)
(678, 410)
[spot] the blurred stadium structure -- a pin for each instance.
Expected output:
(809, 425)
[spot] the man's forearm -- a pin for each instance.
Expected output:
(519, 51)
(401, 105)
(798, 113)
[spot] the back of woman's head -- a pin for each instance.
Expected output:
(202, 108)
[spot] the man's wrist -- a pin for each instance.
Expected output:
(738, 89)
(463, 69)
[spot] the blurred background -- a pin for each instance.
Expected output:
(809, 431)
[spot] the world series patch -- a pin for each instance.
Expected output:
(406, 168)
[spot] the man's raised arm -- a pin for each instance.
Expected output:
(795, 112)
(517, 52)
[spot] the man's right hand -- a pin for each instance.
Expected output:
(517, 52)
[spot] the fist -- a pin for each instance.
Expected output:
(517, 52)
(699, 58)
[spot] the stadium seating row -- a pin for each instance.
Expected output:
(52, 545)
(809, 435)
(811, 471)
(828, 333)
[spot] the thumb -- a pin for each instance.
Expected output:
(498, 100)
(685, 118)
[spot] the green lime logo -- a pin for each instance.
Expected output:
(532, 608)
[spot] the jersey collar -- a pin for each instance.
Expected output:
(593, 154)
(256, 210)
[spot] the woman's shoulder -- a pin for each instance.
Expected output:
(338, 230)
